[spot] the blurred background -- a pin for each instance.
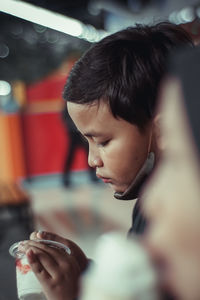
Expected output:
(39, 43)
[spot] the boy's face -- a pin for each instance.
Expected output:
(117, 149)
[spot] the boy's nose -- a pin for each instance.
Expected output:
(94, 161)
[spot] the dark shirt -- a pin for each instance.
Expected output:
(138, 220)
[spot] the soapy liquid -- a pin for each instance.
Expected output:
(28, 286)
(22, 268)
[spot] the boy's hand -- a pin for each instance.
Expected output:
(75, 249)
(57, 271)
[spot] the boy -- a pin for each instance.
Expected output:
(123, 71)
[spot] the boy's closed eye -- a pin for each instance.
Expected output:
(103, 143)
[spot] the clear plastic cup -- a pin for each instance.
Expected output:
(28, 286)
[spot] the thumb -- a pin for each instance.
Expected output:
(47, 236)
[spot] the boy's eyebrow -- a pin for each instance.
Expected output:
(92, 134)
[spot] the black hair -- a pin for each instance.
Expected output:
(125, 69)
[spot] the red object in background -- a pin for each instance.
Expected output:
(45, 137)
(49, 89)
(46, 144)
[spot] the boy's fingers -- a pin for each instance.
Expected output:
(47, 236)
(33, 235)
(76, 251)
(47, 266)
(56, 252)
(43, 265)
(39, 270)
(54, 237)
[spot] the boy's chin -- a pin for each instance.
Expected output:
(118, 189)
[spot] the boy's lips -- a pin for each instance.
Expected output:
(104, 179)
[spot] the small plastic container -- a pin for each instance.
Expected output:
(28, 286)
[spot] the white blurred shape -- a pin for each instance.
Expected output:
(5, 88)
(186, 14)
(4, 50)
(42, 16)
(173, 17)
(121, 270)
(46, 18)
